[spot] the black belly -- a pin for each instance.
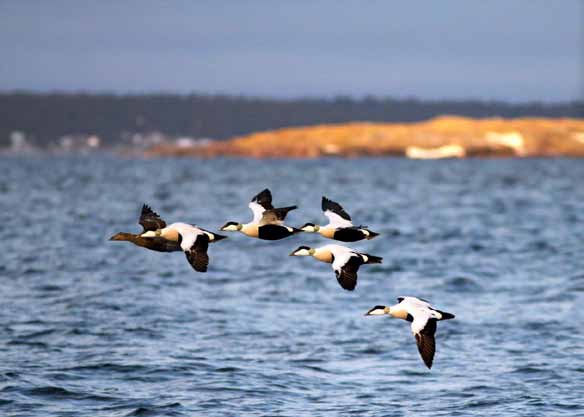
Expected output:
(273, 232)
(349, 234)
(159, 244)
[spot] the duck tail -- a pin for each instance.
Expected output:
(373, 259)
(445, 315)
(217, 237)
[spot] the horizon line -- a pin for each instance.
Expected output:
(253, 97)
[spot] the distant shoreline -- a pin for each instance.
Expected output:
(69, 121)
(441, 137)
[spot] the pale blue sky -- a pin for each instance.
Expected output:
(513, 50)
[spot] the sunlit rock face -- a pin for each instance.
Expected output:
(442, 137)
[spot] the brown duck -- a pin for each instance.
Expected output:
(157, 236)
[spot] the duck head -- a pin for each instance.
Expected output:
(303, 251)
(232, 227)
(378, 311)
(310, 228)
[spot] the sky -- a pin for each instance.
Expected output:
(514, 50)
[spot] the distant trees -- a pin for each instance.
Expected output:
(46, 117)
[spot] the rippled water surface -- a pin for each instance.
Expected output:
(90, 327)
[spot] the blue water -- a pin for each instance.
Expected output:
(90, 327)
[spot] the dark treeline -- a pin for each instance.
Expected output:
(47, 117)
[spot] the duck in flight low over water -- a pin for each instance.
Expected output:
(345, 261)
(340, 226)
(157, 236)
(423, 318)
(267, 222)
(149, 220)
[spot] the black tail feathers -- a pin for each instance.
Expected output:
(445, 315)
(217, 237)
(373, 259)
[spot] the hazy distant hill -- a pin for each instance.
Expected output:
(47, 117)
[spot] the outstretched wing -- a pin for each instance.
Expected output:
(282, 212)
(264, 199)
(275, 216)
(337, 216)
(150, 220)
(346, 266)
(425, 339)
(197, 255)
(259, 204)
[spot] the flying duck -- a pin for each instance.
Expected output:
(345, 261)
(340, 226)
(192, 240)
(423, 318)
(267, 222)
(149, 220)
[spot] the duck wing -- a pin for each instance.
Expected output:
(281, 212)
(260, 203)
(346, 266)
(264, 199)
(337, 216)
(276, 215)
(425, 339)
(150, 220)
(197, 255)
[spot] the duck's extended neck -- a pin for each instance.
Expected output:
(250, 229)
(327, 232)
(323, 255)
(135, 239)
(158, 244)
(125, 237)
